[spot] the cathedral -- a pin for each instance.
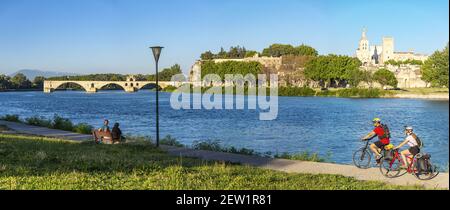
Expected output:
(378, 54)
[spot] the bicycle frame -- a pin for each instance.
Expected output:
(410, 169)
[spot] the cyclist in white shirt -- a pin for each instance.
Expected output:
(413, 142)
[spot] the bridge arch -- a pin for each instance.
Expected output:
(101, 86)
(58, 85)
(148, 86)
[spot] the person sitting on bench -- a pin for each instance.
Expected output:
(116, 134)
(103, 135)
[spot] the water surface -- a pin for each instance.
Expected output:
(324, 125)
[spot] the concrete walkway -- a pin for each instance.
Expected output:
(291, 166)
(46, 132)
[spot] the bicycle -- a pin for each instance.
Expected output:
(362, 156)
(391, 167)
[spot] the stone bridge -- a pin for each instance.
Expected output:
(94, 86)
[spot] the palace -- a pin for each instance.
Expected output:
(378, 54)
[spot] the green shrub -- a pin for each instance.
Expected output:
(326, 93)
(170, 141)
(62, 123)
(39, 121)
(360, 93)
(11, 118)
(295, 91)
(353, 92)
(216, 146)
(170, 88)
(304, 156)
(83, 128)
(210, 145)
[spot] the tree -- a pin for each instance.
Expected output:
(278, 50)
(208, 55)
(354, 77)
(222, 54)
(38, 82)
(385, 77)
(20, 81)
(435, 69)
(332, 68)
(231, 67)
(5, 82)
(305, 50)
(250, 53)
(167, 73)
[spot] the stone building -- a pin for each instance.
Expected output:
(378, 54)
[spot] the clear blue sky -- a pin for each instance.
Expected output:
(99, 36)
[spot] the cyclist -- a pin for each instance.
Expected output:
(414, 145)
(382, 131)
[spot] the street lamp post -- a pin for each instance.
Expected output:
(156, 53)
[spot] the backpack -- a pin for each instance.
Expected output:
(423, 165)
(388, 154)
(419, 142)
(387, 133)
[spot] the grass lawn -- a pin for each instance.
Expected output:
(40, 163)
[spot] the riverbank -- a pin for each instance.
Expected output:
(409, 93)
(44, 164)
(19, 90)
(87, 165)
(421, 93)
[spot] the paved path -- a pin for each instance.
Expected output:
(47, 132)
(291, 166)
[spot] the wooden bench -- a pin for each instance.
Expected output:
(102, 137)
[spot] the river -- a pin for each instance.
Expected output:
(329, 126)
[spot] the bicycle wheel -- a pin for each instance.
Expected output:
(428, 174)
(361, 158)
(390, 168)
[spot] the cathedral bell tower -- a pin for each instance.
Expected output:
(363, 51)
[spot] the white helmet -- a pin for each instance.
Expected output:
(409, 128)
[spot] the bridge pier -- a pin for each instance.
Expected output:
(130, 89)
(48, 90)
(91, 90)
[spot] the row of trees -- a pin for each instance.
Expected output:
(278, 50)
(409, 61)
(20, 81)
(338, 70)
(164, 75)
(91, 77)
(274, 50)
(234, 53)
(435, 69)
(333, 69)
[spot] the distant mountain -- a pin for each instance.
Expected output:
(31, 73)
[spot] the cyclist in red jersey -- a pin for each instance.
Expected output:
(383, 138)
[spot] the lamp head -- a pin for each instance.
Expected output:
(156, 52)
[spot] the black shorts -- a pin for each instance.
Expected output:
(414, 150)
(379, 144)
